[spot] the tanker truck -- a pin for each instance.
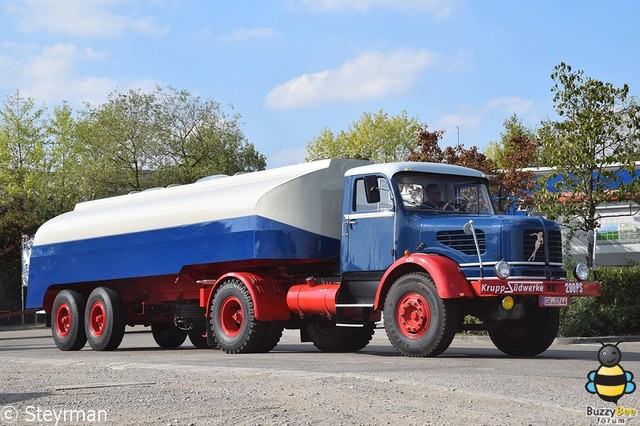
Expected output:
(332, 248)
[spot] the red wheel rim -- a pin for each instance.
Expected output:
(97, 318)
(231, 316)
(63, 320)
(413, 315)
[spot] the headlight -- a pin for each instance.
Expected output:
(503, 270)
(581, 271)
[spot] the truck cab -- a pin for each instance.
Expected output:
(439, 223)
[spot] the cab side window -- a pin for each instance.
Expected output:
(360, 199)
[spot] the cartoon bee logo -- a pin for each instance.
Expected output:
(610, 381)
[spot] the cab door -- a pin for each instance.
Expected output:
(368, 234)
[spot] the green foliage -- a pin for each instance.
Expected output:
(615, 312)
(140, 140)
(22, 150)
(119, 136)
(23, 173)
(376, 137)
(600, 126)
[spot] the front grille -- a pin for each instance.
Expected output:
(555, 246)
(460, 241)
(534, 241)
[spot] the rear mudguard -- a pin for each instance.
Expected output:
(268, 295)
(445, 273)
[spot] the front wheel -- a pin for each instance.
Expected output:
(529, 336)
(104, 319)
(67, 325)
(418, 322)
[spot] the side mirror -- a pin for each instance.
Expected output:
(371, 189)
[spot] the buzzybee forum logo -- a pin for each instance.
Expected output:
(610, 382)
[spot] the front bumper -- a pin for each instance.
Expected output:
(552, 293)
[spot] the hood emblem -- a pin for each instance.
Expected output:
(539, 241)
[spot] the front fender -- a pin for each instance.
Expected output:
(449, 280)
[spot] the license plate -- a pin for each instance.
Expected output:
(553, 301)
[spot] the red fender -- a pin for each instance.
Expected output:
(449, 280)
(269, 296)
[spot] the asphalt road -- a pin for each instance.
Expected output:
(295, 384)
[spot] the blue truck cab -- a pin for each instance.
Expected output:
(423, 242)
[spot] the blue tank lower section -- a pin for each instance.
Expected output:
(166, 251)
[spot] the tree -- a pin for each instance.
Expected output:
(376, 137)
(120, 137)
(199, 139)
(599, 127)
(22, 180)
(140, 140)
(428, 150)
(68, 181)
(517, 149)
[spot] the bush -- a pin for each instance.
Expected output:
(615, 312)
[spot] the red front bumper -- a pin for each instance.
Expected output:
(530, 287)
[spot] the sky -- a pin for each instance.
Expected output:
(291, 68)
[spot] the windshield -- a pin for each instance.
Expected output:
(444, 193)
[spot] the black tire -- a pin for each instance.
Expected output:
(272, 335)
(104, 319)
(67, 321)
(529, 336)
(198, 339)
(328, 337)
(418, 322)
(233, 320)
(167, 335)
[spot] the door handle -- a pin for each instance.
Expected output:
(348, 225)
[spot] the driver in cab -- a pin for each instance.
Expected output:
(434, 194)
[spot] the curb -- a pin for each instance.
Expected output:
(562, 340)
(599, 340)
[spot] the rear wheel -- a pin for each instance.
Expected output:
(418, 322)
(328, 337)
(198, 339)
(167, 335)
(233, 320)
(104, 319)
(529, 336)
(67, 325)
